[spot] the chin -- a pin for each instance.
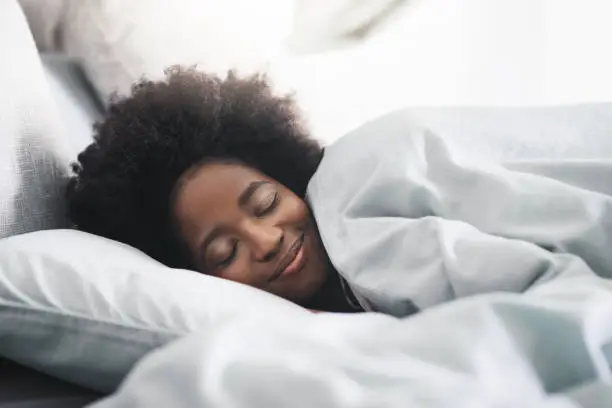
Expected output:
(312, 286)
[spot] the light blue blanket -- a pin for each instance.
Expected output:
(409, 225)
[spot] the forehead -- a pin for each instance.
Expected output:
(209, 194)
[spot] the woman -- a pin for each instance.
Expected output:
(211, 174)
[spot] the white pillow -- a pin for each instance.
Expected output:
(85, 309)
(322, 25)
(118, 41)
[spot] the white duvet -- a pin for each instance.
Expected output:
(409, 225)
(508, 267)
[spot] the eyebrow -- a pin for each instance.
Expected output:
(243, 200)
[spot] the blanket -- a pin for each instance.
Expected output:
(508, 266)
(410, 225)
(548, 348)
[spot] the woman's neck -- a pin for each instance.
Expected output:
(333, 297)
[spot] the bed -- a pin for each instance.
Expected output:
(48, 105)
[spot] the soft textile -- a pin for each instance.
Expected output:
(34, 157)
(502, 53)
(85, 309)
(118, 41)
(45, 19)
(36, 390)
(321, 25)
(410, 226)
(549, 348)
(75, 99)
(580, 131)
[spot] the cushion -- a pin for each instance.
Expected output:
(45, 19)
(120, 41)
(321, 25)
(76, 100)
(33, 155)
(85, 309)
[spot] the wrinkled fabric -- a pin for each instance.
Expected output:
(410, 226)
(548, 348)
(508, 265)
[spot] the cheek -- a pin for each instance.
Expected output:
(295, 210)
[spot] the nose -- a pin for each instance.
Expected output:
(266, 240)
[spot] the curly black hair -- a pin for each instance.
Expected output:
(122, 184)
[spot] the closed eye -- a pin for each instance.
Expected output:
(225, 262)
(267, 205)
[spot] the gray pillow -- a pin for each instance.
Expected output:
(33, 155)
(76, 100)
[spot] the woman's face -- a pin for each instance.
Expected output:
(243, 226)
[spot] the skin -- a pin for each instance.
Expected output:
(243, 226)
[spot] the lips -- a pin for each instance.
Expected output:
(292, 261)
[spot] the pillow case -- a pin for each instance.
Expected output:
(44, 18)
(321, 25)
(119, 41)
(76, 100)
(34, 155)
(85, 309)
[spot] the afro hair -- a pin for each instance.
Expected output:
(122, 183)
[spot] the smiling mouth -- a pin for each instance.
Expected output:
(292, 262)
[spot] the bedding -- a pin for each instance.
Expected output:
(321, 25)
(459, 53)
(508, 268)
(88, 318)
(409, 225)
(549, 348)
(34, 157)
(22, 387)
(34, 163)
(84, 309)
(78, 105)
(118, 43)
(501, 135)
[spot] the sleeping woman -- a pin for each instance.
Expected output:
(220, 176)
